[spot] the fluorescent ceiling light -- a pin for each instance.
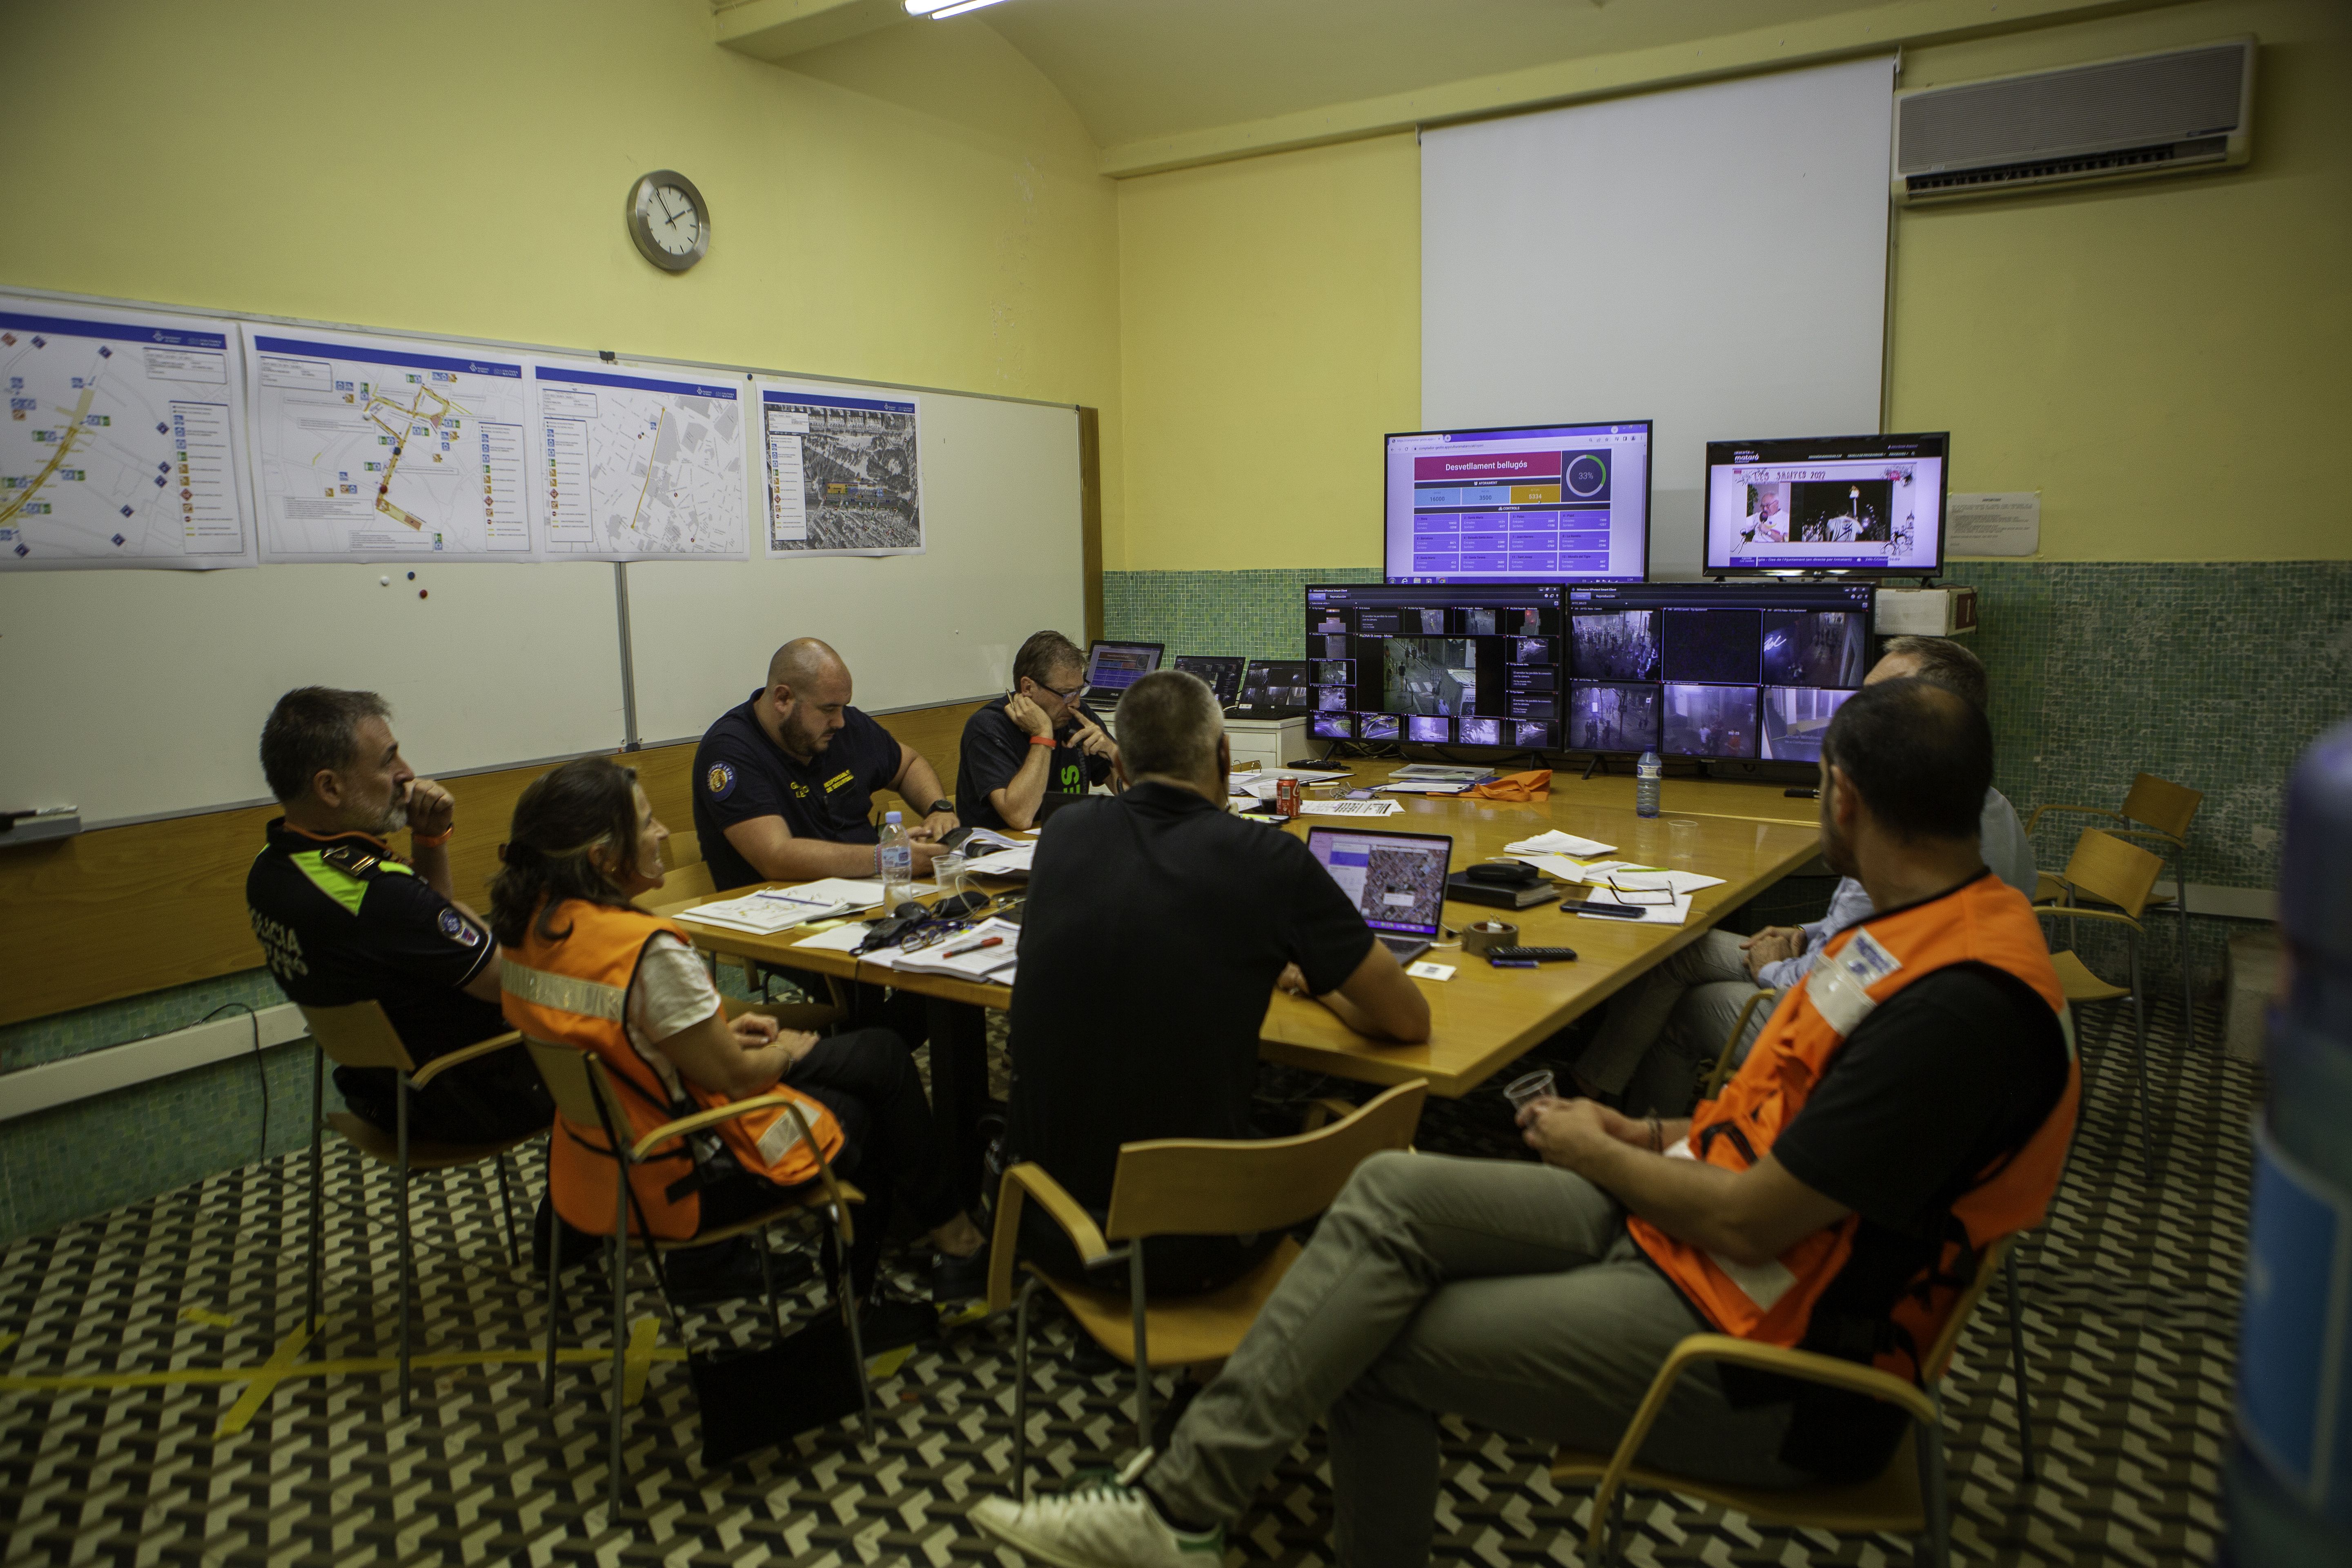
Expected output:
(941, 10)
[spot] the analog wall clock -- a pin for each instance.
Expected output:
(668, 221)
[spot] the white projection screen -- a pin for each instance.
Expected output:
(1713, 258)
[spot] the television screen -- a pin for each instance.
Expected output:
(1830, 503)
(1467, 664)
(1528, 503)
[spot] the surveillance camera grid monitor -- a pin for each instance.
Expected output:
(1531, 503)
(1279, 683)
(1113, 667)
(1223, 675)
(1829, 503)
(1396, 880)
(1459, 664)
(1716, 670)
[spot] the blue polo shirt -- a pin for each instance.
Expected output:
(739, 775)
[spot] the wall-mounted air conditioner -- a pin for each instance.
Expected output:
(2177, 112)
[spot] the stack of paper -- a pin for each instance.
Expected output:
(985, 953)
(1558, 843)
(980, 840)
(765, 912)
(1010, 861)
(1435, 778)
(1349, 807)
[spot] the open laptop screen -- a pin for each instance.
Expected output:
(1396, 880)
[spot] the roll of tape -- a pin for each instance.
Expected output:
(1485, 936)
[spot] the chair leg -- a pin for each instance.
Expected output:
(2188, 992)
(2139, 1041)
(400, 1116)
(1612, 1536)
(1143, 1346)
(620, 1337)
(845, 1291)
(1021, 1392)
(2017, 1359)
(506, 1207)
(318, 1185)
(554, 1314)
(768, 1282)
(1939, 1552)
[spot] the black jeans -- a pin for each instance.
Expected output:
(866, 1078)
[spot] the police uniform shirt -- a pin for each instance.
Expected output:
(740, 775)
(342, 920)
(994, 748)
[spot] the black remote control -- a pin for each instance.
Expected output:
(1533, 955)
(1615, 911)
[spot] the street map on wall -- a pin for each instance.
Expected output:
(842, 475)
(386, 448)
(124, 443)
(640, 466)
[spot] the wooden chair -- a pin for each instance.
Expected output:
(584, 1095)
(1725, 1060)
(1182, 1186)
(360, 1036)
(2163, 811)
(2117, 875)
(1907, 1498)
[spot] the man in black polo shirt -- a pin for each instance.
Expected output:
(342, 919)
(783, 785)
(1163, 882)
(1039, 740)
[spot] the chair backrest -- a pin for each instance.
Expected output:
(1203, 1186)
(358, 1036)
(691, 881)
(576, 1080)
(2113, 869)
(2162, 804)
(1939, 1354)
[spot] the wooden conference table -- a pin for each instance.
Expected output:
(1483, 1018)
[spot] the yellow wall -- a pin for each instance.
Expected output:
(2169, 363)
(456, 166)
(1270, 335)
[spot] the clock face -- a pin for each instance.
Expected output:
(668, 221)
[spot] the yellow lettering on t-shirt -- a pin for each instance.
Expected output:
(838, 780)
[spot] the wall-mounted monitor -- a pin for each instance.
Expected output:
(1530, 503)
(1464, 663)
(1828, 503)
(1746, 671)
(1223, 673)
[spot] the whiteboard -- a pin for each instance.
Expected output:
(1001, 559)
(1711, 257)
(136, 694)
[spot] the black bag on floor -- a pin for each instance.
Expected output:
(768, 1395)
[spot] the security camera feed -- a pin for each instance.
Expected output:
(1223, 674)
(1828, 503)
(1396, 880)
(1534, 735)
(1794, 718)
(1335, 726)
(1277, 683)
(1744, 671)
(1605, 717)
(1461, 664)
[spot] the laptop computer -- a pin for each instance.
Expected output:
(1396, 880)
(1113, 667)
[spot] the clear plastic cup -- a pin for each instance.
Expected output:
(947, 873)
(1526, 1090)
(1682, 842)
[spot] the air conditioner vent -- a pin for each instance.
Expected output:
(2150, 114)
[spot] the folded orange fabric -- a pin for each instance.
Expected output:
(1533, 784)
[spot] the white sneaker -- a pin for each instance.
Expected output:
(1100, 1522)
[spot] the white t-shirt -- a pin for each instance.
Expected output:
(671, 991)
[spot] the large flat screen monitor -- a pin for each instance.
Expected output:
(1278, 685)
(1456, 663)
(1222, 674)
(1531, 503)
(1750, 671)
(1827, 503)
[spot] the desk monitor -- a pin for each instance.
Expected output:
(1396, 880)
(1528, 503)
(1465, 664)
(1113, 667)
(1277, 683)
(1745, 671)
(1827, 503)
(1223, 674)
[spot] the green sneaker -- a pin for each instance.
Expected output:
(1101, 1522)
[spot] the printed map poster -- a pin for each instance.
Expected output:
(124, 444)
(386, 448)
(638, 466)
(842, 472)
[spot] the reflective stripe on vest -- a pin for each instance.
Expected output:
(1988, 922)
(573, 991)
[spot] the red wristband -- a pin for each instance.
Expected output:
(419, 841)
(1041, 740)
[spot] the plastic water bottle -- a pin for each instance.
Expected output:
(897, 863)
(2290, 1476)
(1647, 773)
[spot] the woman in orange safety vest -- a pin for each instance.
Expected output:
(584, 967)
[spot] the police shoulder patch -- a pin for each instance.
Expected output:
(720, 780)
(459, 929)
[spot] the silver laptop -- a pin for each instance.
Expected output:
(1396, 880)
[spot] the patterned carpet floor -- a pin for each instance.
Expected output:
(158, 1405)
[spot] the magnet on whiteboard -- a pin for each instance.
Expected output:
(383, 581)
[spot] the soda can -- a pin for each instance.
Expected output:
(1285, 797)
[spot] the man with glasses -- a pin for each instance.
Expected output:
(1037, 742)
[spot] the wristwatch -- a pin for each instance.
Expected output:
(940, 806)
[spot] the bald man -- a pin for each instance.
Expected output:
(783, 785)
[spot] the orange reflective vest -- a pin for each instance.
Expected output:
(573, 991)
(1986, 921)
